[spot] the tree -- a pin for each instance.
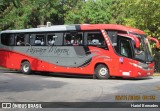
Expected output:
(142, 14)
(90, 11)
(31, 13)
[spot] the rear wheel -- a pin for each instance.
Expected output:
(102, 72)
(25, 67)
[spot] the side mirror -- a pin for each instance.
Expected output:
(154, 40)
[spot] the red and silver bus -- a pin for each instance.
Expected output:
(101, 50)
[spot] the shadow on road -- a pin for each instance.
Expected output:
(132, 79)
(16, 83)
(79, 76)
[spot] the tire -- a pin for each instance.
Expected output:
(102, 72)
(25, 67)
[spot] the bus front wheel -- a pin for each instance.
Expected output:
(25, 67)
(102, 72)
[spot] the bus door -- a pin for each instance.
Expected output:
(125, 51)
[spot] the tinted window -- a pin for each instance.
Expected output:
(20, 39)
(37, 39)
(113, 35)
(73, 38)
(8, 39)
(54, 39)
(51, 39)
(125, 48)
(95, 38)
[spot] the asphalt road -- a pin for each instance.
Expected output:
(45, 87)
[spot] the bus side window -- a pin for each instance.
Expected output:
(55, 39)
(113, 37)
(73, 38)
(32, 39)
(58, 39)
(95, 38)
(67, 39)
(4, 39)
(20, 39)
(39, 40)
(8, 39)
(26, 40)
(51, 39)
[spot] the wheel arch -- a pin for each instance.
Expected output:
(25, 66)
(101, 63)
(24, 60)
(97, 74)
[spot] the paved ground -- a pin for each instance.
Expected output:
(17, 87)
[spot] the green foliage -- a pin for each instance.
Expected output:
(146, 14)
(90, 12)
(142, 14)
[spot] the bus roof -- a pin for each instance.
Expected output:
(78, 27)
(112, 27)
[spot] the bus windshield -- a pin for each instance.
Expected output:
(144, 52)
